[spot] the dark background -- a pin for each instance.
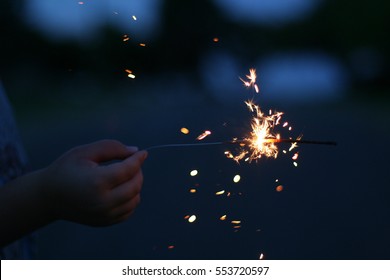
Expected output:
(327, 69)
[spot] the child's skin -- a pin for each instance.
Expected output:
(76, 187)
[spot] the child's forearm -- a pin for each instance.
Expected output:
(24, 207)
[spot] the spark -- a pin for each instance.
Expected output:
(125, 38)
(251, 82)
(142, 44)
(279, 188)
(295, 144)
(223, 218)
(134, 17)
(184, 130)
(261, 257)
(194, 172)
(170, 247)
(192, 190)
(236, 178)
(192, 219)
(262, 140)
(295, 156)
(229, 154)
(81, 3)
(130, 74)
(215, 39)
(203, 135)
(220, 192)
(295, 164)
(236, 222)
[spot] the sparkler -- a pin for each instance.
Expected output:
(241, 142)
(262, 140)
(256, 150)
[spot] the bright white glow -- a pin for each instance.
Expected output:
(192, 219)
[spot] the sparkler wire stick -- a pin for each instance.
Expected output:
(185, 145)
(270, 140)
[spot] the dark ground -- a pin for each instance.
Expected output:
(335, 204)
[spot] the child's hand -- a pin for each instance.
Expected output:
(97, 184)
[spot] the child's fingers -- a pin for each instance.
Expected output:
(126, 209)
(127, 190)
(106, 150)
(120, 172)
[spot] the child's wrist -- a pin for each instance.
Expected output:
(44, 197)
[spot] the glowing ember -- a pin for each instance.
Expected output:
(236, 222)
(203, 135)
(170, 247)
(186, 217)
(261, 257)
(126, 38)
(220, 192)
(294, 145)
(251, 82)
(184, 130)
(192, 219)
(130, 74)
(229, 154)
(236, 178)
(142, 45)
(194, 172)
(279, 188)
(216, 39)
(295, 156)
(222, 218)
(192, 190)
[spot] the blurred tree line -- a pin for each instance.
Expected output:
(30, 60)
